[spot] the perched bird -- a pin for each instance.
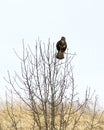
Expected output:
(61, 47)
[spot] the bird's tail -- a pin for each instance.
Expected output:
(60, 55)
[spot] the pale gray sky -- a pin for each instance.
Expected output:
(80, 21)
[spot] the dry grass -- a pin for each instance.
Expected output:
(24, 121)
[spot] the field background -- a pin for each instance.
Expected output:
(18, 116)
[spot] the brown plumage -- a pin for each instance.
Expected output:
(61, 47)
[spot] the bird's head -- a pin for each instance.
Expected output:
(63, 38)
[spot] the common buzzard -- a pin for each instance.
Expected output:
(61, 47)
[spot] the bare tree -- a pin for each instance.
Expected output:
(46, 85)
(11, 113)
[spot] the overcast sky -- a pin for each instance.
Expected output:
(80, 21)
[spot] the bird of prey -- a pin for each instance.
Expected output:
(61, 47)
